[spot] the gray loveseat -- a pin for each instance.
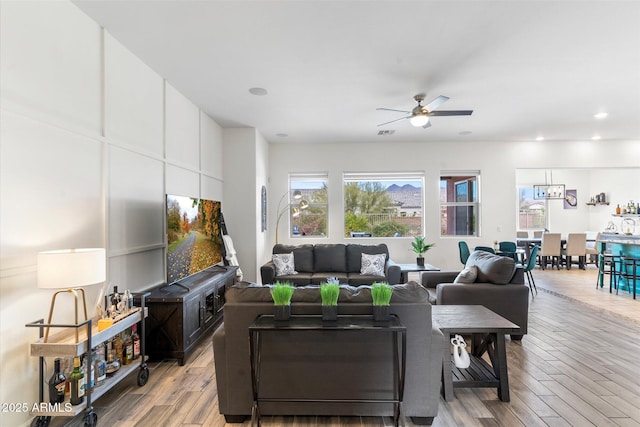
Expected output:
(499, 286)
(342, 354)
(316, 263)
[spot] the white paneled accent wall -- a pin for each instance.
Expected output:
(91, 140)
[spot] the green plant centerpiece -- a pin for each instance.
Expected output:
(381, 296)
(281, 293)
(420, 248)
(329, 292)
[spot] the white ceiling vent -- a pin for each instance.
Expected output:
(386, 132)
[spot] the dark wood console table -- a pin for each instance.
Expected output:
(182, 314)
(487, 329)
(345, 324)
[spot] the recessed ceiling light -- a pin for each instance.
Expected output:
(258, 91)
(596, 137)
(540, 138)
(601, 115)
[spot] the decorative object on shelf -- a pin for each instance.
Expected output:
(295, 208)
(281, 293)
(571, 199)
(420, 248)
(69, 269)
(460, 356)
(381, 296)
(329, 292)
(548, 190)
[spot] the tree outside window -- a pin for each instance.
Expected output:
(312, 221)
(532, 213)
(383, 205)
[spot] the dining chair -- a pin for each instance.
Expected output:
(576, 246)
(522, 234)
(528, 266)
(508, 249)
(537, 234)
(591, 247)
(464, 252)
(550, 248)
(484, 248)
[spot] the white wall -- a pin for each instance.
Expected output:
(91, 139)
(497, 163)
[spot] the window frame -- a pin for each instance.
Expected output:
(470, 177)
(378, 177)
(519, 212)
(311, 177)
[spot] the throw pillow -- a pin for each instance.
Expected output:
(284, 264)
(492, 268)
(468, 275)
(372, 265)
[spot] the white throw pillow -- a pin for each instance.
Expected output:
(468, 275)
(284, 264)
(372, 265)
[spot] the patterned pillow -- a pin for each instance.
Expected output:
(284, 264)
(372, 265)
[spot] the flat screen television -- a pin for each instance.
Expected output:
(193, 236)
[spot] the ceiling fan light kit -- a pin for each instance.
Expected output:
(420, 114)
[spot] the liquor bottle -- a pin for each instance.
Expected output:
(118, 347)
(115, 301)
(57, 384)
(89, 374)
(77, 383)
(127, 352)
(136, 341)
(67, 368)
(100, 366)
(618, 209)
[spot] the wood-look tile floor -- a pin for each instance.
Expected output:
(579, 365)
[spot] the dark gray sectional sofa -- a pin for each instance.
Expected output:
(342, 354)
(316, 263)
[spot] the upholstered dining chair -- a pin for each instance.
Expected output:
(508, 249)
(537, 234)
(484, 248)
(528, 267)
(576, 246)
(464, 251)
(550, 248)
(522, 234)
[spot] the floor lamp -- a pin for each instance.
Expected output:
(296, 209)
(68, 270)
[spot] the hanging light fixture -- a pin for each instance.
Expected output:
(419, 120)
(549, 190)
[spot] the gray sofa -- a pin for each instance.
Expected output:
(342, 354)
(316, 263)
(499, 286)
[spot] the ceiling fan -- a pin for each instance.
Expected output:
(419, 116)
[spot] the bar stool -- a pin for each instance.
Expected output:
(607, 260)
(629, 271)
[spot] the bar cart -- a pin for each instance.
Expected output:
(67, 344)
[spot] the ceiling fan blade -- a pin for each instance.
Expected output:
(436, 103)
(427, 125)
(450, 113)
(391, 109)
(401, 118)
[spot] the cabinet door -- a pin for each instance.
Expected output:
(194, 319)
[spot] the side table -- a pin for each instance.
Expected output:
(487, 329)
(405, 269)
(265, 324)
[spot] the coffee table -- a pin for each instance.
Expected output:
(487, 330)
(405, 269)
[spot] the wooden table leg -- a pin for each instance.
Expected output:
(447, 374)
(500, 368)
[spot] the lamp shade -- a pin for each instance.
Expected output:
(419, 120)
(69, 268)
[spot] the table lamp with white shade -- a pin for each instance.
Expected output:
(68, 270)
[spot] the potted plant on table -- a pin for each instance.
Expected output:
(420, 247)
(329, 292)
(281, 293)
(381, 296)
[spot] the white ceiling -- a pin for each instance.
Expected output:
(526, 68)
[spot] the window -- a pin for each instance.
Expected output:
(383, 204)
(532, 212)
(308, 213)
(459, 204)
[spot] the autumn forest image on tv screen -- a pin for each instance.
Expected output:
(193, 236)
